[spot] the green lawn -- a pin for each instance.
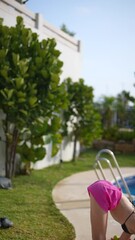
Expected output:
(31, 208)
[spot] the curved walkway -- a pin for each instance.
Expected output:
(71, 197)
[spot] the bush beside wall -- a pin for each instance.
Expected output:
(120, 146)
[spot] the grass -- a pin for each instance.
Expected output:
(30, 205)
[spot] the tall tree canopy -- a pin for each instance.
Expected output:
(80, 119)
(31, 95)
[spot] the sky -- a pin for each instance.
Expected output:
(106, 29)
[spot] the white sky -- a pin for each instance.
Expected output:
(106, 29)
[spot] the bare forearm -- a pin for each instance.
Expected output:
(125, 236)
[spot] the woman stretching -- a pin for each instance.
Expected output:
(104, 197)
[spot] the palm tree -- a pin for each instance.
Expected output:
(122, 106)
(107, 111)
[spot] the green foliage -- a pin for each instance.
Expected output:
(117, 110)
(106, 108)
(81, 119)
(126, 136)
(65, 29)
(115, 134)
(110, 133)
(31, 95)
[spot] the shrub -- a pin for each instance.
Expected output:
(115, 134)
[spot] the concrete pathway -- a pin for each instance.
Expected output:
(71, 197)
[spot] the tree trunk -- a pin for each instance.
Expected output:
(11, 154)
(74, 149)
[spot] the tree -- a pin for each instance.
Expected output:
(65, 29)
(115, 111)
(106, 107)
(80, 119)
(122, 106)
(22, 1)
(31, 95)
(130, 113)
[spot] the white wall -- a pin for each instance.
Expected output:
(70, 54)
(70, 47)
